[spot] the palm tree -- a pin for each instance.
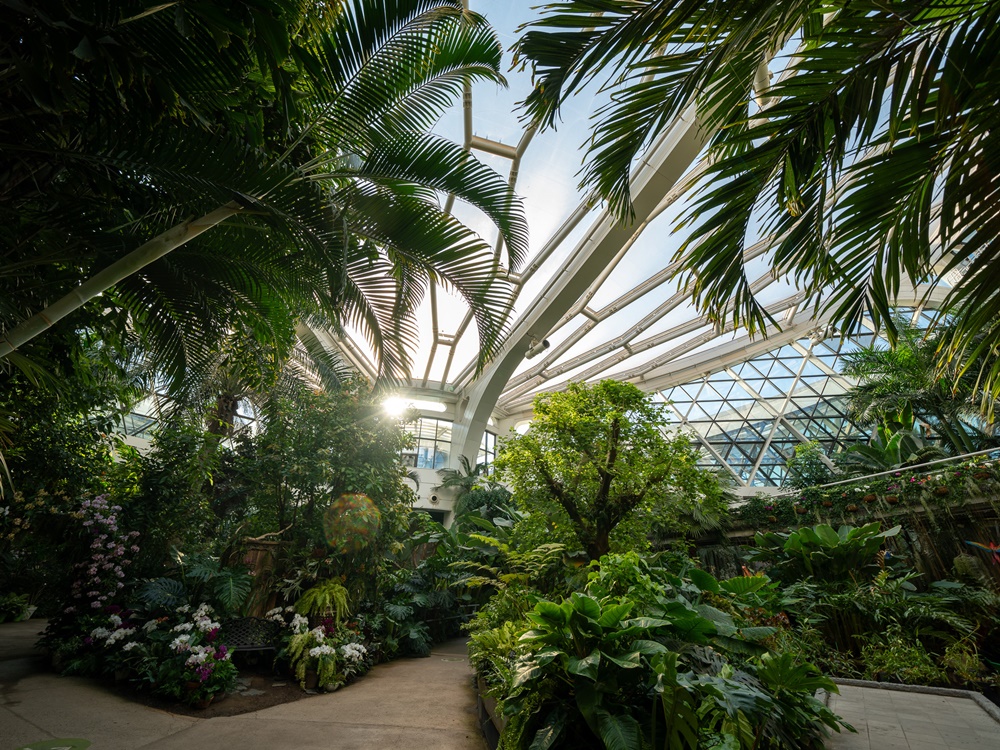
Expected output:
(302, 144)
(906, 379)
(871, 159)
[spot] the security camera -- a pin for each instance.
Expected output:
(536, 348)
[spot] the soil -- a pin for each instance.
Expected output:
(273, 690)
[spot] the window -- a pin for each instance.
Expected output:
(431, 443)
(487, 449)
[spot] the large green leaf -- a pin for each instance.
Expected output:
(587, 666)
(743, 585)
(619, 731)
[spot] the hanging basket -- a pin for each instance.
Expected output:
(892, 499)
(827, 503)
(852, 508)
(800, 510)
(981, 475)
(941, 491)
(870, 498)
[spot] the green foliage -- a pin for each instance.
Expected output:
(328, 598)
(639, 658)
(820, 552)
(164, 113)
(859, 143)
(807, 467)
(896, 656)
(595, 469)
(200, 578)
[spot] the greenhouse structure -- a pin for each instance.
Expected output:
(637, 361)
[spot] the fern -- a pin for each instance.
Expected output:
(326, 598)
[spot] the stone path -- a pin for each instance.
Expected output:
(896, 720)
(418, 704)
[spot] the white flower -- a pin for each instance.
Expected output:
(184, 627)
(181, 643)
(322, 651)
(120, 635)
(273, 612)
(130, 645)
(319, 634)
(204, 610)
(150, 626)
(205, 625)
(184, 610)
(353, 651)
(115, 620)
(292, 609)
(101, 633)
(299, 624)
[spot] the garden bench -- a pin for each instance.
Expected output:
(251, 634)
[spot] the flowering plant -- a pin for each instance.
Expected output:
(194, 666)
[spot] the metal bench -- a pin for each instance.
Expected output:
(250, 634)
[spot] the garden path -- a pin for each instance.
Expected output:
(418, 704)
(898, 720)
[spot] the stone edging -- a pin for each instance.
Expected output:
(991, 709)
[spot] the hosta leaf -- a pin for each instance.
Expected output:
(586, 606)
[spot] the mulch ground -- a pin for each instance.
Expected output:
(265, 689)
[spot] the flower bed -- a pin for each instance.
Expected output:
(933, 491)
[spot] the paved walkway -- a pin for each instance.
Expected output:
(418, 704)
(896, 720)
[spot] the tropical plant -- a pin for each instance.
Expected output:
(328, 598)
(873, 130)
(905, 381)
(296, 132)
(594, 670)
(893, 445)
(820, 552)
(200, 578)
(808, 466)
(596, 459)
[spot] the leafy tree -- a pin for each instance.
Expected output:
(596, 459)
(807, 467)
(869, 159)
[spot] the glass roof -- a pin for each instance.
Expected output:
(601, 296)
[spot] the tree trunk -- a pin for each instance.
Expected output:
(122, 268)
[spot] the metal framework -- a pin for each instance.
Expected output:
(599, 295)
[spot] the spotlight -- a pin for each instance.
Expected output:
(536, 348)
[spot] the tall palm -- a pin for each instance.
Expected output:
(871, 159)
(320, 201)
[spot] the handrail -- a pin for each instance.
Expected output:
(909, 468)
